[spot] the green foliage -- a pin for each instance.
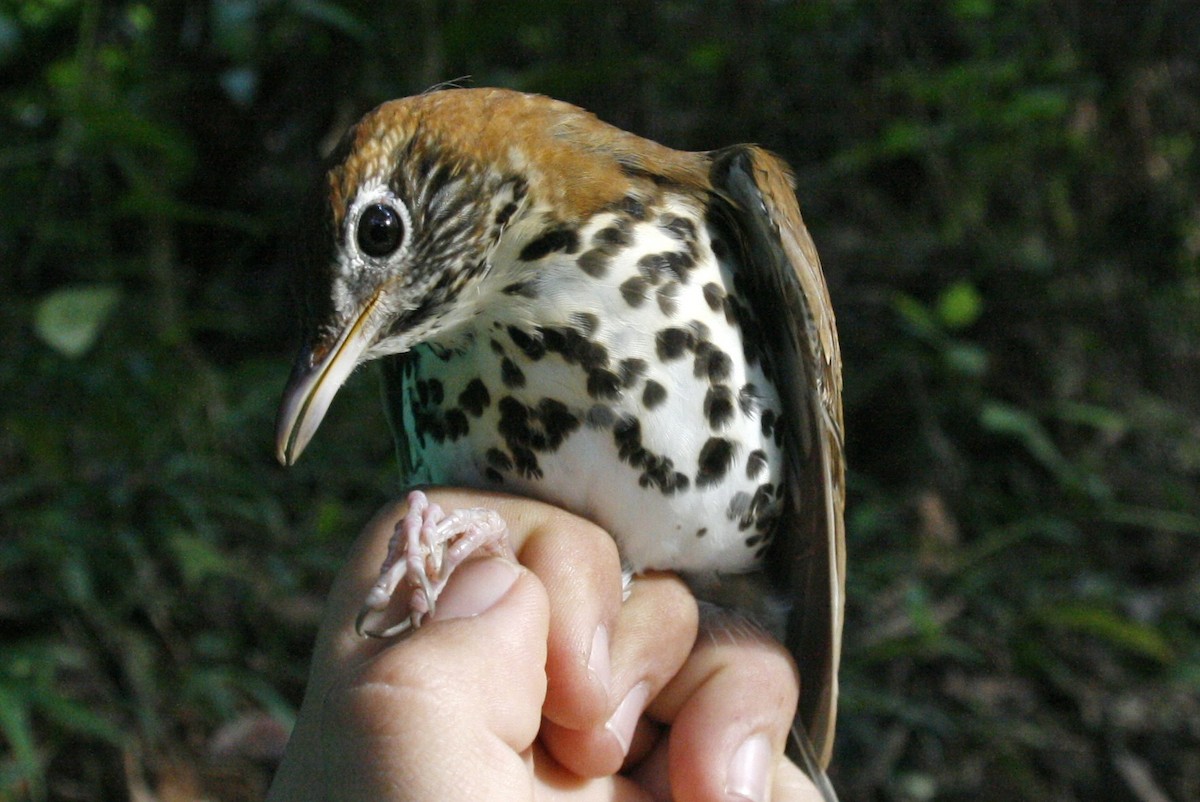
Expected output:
(69, 320)
(1004, 199)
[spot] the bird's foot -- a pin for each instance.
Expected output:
(426, 547)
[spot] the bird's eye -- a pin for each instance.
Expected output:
(380, 230)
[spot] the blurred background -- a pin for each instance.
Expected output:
(1005, 197)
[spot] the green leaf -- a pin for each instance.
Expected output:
(959, 305)
(916, 314)
(967, 359)
(17, 728)
(77, 717)
(197, 558)
(1107, 625)
(1103, 419)
(1010, 420)
(69, 320)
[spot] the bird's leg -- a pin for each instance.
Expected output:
(426, 547)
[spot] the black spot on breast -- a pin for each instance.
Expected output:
(531, 346)
(510, 374)
(749, 399)
(525, 462)
(428, 424)
(630, 370)
(613, 236)
(557, 421)
(456, 424)
(734, 311)
(653, 394)
(574, 348)
(714, 296)
(627, 434)
(634, 291)
(671, 343)
(525, 289)
(702, 531)
(498, 459)
(715, 458)
(649, 269)
(555, 239)
(657, 471)
(594, 262)
(497, 348)
(475, 397)
(718, 406)
(756, 463)
(437, 393)
(600, 416)
(540, 428)
(603, 384)
(656, 267)
(586, 322)
(493, 476)
(767, 422)
(680, 228)
(738, 505)
(760, 513)
(711, 363)
(666, 298)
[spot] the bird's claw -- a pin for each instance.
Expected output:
(423, 552)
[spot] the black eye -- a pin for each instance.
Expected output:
(380, 230)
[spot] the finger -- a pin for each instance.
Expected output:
(340, 651)
(337, 650)
(653, 636)
(577, 562)
(730, 709)
(790, 784)
(419, 711)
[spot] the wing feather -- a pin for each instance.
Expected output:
(787, 291)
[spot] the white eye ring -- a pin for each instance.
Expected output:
(379, 225)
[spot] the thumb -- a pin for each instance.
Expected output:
(381, 714)
(466, 690)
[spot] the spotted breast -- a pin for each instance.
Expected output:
(638, 334)
(616, 373)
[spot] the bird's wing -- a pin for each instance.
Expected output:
(782, 281)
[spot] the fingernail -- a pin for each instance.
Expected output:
(748, 770)
(476, 586)
(599, 663)
(624, 720)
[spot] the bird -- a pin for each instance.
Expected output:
(565, 310)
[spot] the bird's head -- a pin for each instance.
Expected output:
(415, 211)
(426, 214)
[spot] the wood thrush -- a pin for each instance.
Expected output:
(567, 311)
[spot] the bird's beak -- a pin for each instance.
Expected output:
(320, 370)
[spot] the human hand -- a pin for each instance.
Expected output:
(537, 682)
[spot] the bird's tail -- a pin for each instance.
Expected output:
(801, 750)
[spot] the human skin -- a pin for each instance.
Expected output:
(536, 681)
